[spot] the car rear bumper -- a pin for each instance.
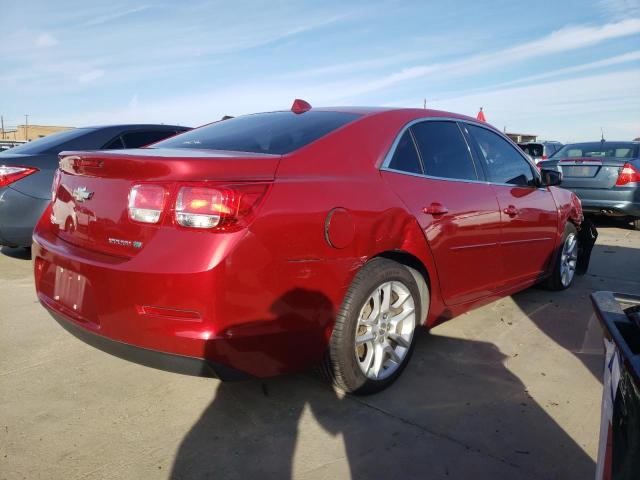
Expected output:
(150, 358)
(615, 201)
(19, 214)
(202, 321)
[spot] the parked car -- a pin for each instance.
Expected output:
(26, 171)
(539, 151)
(267, 243)
(605, 175)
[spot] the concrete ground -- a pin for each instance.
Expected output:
(511, 390)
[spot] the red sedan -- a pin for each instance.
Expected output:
(272, 242)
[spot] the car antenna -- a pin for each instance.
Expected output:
(602, 135)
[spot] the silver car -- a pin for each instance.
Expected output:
(605, 175)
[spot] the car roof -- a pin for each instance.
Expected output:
(623, 142)
(135, 126)
(417, 112)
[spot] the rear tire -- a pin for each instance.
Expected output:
(564, 267)
(375, 330)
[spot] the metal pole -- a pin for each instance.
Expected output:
(26, 127)
(2, 125)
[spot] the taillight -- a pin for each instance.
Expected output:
(9, 174)
(225, 208)
(628, 174)
(55, 185)
(146, 203)
(545, 157)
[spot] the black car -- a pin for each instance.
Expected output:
(26, 171)
(605, 175)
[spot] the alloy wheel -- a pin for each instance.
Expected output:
(568, 259)
(385, 329)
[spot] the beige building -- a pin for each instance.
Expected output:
(30, 132)
(521, 137)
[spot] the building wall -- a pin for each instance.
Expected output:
(31, 132)
(521, 137)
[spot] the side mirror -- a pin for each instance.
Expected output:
(550, 178)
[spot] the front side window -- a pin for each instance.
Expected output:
(405, 158)
(276, 133)
(444, 151)
(504, 164)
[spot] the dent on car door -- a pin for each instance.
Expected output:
(433, 173)
(529, 216)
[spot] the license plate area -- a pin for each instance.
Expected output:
(580, 170)
(69, 289)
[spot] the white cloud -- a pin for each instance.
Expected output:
(99, 20)
(133, 103)
(566, 39)
(566, 110)
(620, 8)
(90, 76)
(45, 40)
(597, 65)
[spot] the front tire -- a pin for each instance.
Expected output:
(375, 330)
(564, 268)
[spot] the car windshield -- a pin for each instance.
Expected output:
(532, 149)
(48, 143)
(275, 132)
(598, 150)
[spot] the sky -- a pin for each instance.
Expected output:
(561, 69)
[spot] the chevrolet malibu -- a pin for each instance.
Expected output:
(274, 242)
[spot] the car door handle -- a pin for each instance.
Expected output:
(435, 209)
(511, 210)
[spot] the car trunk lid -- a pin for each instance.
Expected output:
(90, 203)
(590, 172)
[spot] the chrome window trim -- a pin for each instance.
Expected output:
(389, 156)
(392, 170)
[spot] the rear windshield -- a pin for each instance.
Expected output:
(598, 150)
(275, 132)
(50, 142)
(532, 149)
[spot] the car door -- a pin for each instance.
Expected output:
(529, 214)
(433, 172)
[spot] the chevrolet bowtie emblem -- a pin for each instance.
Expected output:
(81, 194)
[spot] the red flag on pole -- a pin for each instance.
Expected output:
(481, 116)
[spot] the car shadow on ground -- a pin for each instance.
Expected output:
(567, 317)
(615, 222)
(19, 253)
(456, 412)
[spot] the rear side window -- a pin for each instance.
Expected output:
(275, 132)
(115, 144)
(405, 158)
(503, 162)
(140, 139)
(444, 151)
